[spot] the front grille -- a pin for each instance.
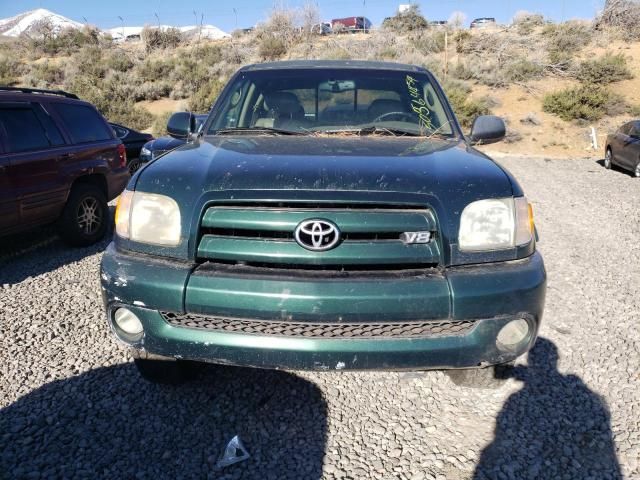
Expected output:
(409, 329)
(157, 153)
(370, 236)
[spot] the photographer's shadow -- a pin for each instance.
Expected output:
(555, 422)
(109, 423)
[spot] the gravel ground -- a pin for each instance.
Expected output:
(73, 406)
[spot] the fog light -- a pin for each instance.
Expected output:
(127, 322)
(512, 334)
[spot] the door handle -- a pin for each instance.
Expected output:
(66, 156)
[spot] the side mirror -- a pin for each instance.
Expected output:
(487, 129)
(181, 124)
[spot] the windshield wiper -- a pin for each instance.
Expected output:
(258, 130)
(376, 130)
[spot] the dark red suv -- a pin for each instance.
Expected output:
(60, 162)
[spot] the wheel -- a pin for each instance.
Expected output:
(85, 217)
(486, 378)
(167, 372)
(134, 165)
(636, 172)
(608, 159)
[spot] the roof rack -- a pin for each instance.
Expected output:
(39, 90)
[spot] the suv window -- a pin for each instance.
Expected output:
(50, 127)
(83, 122)
(23, 130)
(120, 132)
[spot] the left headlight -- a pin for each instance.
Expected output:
(496, 224)
(148, 218)
(145, 152)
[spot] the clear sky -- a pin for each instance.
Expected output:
(221, 13)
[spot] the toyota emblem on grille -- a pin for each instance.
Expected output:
(317, 235)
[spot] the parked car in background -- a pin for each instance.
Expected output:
(484, 22)
(293, 234)
(60, 161)
(438, 23)
(623, 148)
(133, 142)
(160, 145)
(351, 24)
(322, 28)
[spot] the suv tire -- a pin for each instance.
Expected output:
(85, 217)
(486, 378)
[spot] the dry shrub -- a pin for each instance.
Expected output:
(277, 35)
(565, 40)
(587, 102)
(45, 75)
(407, 21)
(465, 108)
(202, 100)
(429, 41)
(46, 38)
(623, 15)
(155, 38)
(526, 22)
(606, 69)
(10, 70)
(119, 61)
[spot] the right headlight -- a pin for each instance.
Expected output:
(145, 152)
(148, 218)
(495, 224)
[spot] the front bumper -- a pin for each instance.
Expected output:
(490, 295)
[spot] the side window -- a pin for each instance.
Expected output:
(120, 132)
(24, 132)
(50, 127)
(83, 122)
(625, 129)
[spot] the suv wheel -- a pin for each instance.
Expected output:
(608, 159)
(636, 172)
(85, 217)
(134, 165)
(488, 378)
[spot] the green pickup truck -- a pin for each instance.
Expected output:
(328, 215)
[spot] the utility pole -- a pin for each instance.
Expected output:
(122, 23)
(235, 12)
(364, 16)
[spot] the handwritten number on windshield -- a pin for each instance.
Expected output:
(418, 103)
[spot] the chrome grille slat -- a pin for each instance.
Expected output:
(369, 236)
(350, 330)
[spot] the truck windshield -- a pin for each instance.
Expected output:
(316, 101)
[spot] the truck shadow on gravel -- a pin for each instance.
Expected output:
(39, 251)
(109, 423)
(555, 422)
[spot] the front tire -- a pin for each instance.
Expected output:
(85, 217)
(485, 378)
(608, 159)
(636, 172)
(134, 166)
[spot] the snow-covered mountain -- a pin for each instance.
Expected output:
(27, 21)
(208, 31)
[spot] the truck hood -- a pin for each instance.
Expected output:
(436, 167)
